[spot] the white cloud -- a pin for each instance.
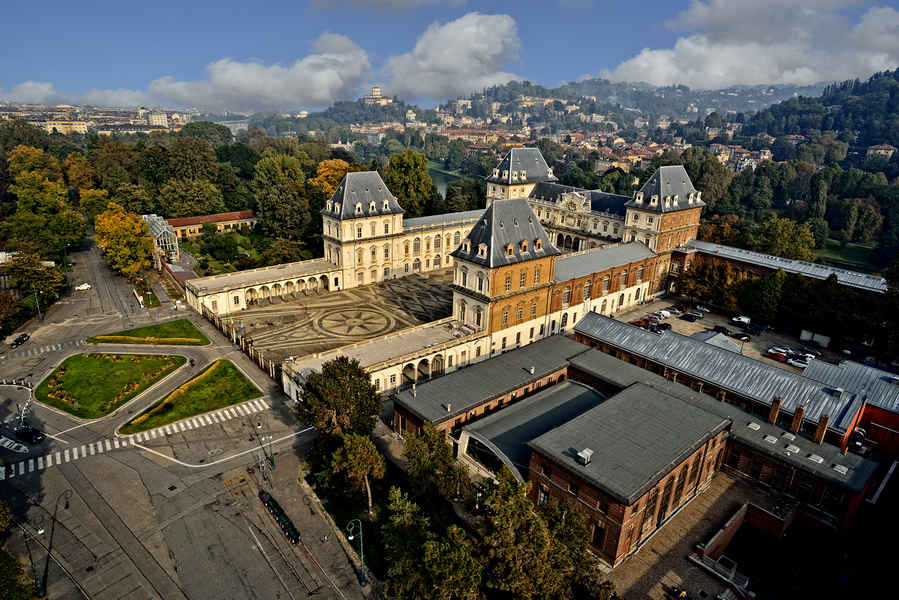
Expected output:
(456, 58)
(388, 4)
(731, 42)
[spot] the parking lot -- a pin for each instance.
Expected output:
(756, 348)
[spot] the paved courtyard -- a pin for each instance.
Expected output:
(320, 323)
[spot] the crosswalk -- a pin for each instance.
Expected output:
(65, 455)
(37, 350)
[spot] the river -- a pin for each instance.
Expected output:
(441, 180)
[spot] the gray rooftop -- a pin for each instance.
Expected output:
(717, 339)
(506, 222)
(260, 276)
(739, 374)
(508, 431)
(667, 182)
(597, 260)
(637, 436)
(876, 387)
(599, 201)
(863, 281)
(621, 374)
(529, 160)
(354, 196)
(468, 216)
(466, 388)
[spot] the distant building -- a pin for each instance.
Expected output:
(881, 151)
(68, 127)
(230, 221)
(165, 241)
(375, 98)
(158, 119)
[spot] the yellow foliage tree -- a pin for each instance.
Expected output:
(125, 239)
(79, 172)
(93, 202)
(329, 173)
(23, 159)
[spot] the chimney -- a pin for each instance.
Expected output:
(798, 415)
(775, 410)
(531, 370)
(823, 422)
(449, 407)
(413, 389)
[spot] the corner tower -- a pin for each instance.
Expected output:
(665, 213)
(358, 225)
(517, 173)
(503, 270)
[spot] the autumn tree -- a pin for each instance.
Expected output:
(93, 202)
(9, 305)
(213, 133)
(452, 571)
(280, 205)
(28, 159)
(329, 173)
(134, 199)
(125, 240)
(192, 158)
(187, 198)
(408, 179)
(79, 172)
(28, 274)
(340, 400)
(360, 461)
(785, 238)
(431, 467)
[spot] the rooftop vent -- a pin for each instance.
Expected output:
(788, 436)
(815, 458)
(792, 448)
(584, 456)
(449, 407)
(754, 426)
(841, 469)
(531, 370)
(770, 439)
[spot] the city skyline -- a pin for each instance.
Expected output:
(311, 55)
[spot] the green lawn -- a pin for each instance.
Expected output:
(220, 385)
(93, 385)
(853, 256)
(177, 333)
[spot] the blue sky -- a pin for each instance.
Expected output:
(285, 55)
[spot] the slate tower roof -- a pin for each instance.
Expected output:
(522, 165)
(362, 194)
(506, 234)
(667, 183)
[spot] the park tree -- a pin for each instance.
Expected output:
(213, 133)
(134, 199)
(868, 224)
(283, 251)
(192, 158)
(280, 204)
(35, 193)
(79, 172)
(28, 159)
(452, 571)
(360, 461)
(9, 306)
(240, 156)
(28, 274)
(154, 166)
(760, 296)
(187, 198)
(431, 467)
(14, 583)
(93, 202)
(408, 179)
(115, 162)
(784, 237)
(340, 399)
(329, 173)
(404, 534)
(125, 240)
(5, 516)
(17, 132)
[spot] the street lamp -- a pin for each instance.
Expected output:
(38, 304)
(353, 525)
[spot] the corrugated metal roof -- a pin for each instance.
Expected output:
(876, 387)
(597, 260)
(788, 265)
(717, 339)
(742, 375)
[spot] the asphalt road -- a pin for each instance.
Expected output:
(171, 513)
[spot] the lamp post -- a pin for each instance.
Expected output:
(353, 525)
(37, 303)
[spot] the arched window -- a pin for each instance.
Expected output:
(603, 309)
(456, 238)
(588, 286)
(437, 260)
(406, 248)
(464, 275)
(624, 279)
(462, 308)
(566, 296)
(564, 321)
(427, 244)
(606, 282)
(359, 256)
(637, 294)
(481, 282)
(640, 273)
(416, 265)
(436, 242)
(416, 246)
(478, 315)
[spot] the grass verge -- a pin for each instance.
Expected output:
(850, 256)
(220, 385)
(92, 385)
(176, 333)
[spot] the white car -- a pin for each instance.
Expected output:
(83, 287)
(799, 363)
(702, 308)
(740, 320)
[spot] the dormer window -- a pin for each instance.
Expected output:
(524, 245)
(690, 198)
(337, 207)
(638, 198)
(654, 200)
(674, 199)
(466, 246)
(538, 244)
(505, 174)
(358, 208)
(549, 172)
(514, 174)
(524, 174)
(330, 206)
(509, 250)
(667, 201)
(386, 205)
(496, 172)
(371, 207)
(482, 250)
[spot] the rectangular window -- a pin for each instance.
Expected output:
(377, 384)
(505, 317)
(532, 333)
(392, 380)
(534, 309)
(372, 228)
(236, 300)
(542, 497)
(477, 351)
(386, 228)
(386, 252)
(508, 282)
(537, 275)
(523, 278)
(520, 313)
(504, 344)
(215, 305)
(359, 231)
(518, 338)
(542, 330)
(599, 535)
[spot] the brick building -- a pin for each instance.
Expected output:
(230, 221)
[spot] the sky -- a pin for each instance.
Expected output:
(274, 55)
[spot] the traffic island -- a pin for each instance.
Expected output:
(171, 333)
(93, 385)
(219, 386)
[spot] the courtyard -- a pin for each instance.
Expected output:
(323, 322)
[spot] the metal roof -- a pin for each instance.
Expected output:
(600, 202)
(261, 276)
(354, 196)
(445, 398)
(597, 260)
(508, 431)
(855, 279)
(622, 374)
(717, 339)
(637, 436)
(529, 160)
(876, 387)
(667, 182)
(739, 374)
(506, 222)
(468, 216)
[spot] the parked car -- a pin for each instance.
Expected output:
(741, 320)
(83, 287)
(777, 355)
(797, 362)
(702, 308)
(780, 349)
(20, 339)
(721, 329)
(802, 356)
(691, 317)
(674, 310)
(696, 314)
(30, 435)
(739, 335)
(756, 329)
(665, 326)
